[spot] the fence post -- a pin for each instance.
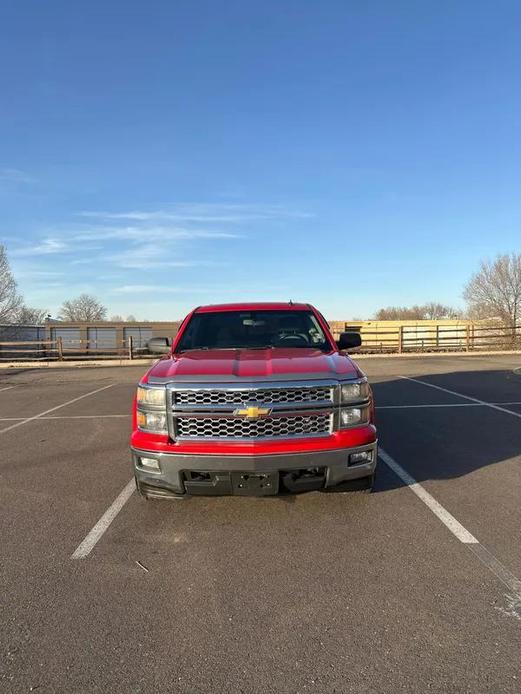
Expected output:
(59, 342)
(130, 348)
(467, 338)
(400, 339)
(437, 335)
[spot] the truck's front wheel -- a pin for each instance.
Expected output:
(149, 492)
(140, 489)
(363, 485)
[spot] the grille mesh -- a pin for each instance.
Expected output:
(269, 427)
(263, 395)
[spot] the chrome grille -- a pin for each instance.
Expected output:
(243, 428)
(207, 396)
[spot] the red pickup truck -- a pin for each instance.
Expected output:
(254, 399)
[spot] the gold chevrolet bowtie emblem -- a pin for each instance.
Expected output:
(252, 412)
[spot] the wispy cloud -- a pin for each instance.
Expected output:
(36, 274)
(140, 233)
(8, 175)
(160, 289)
(203, 212)
(45, 247)
(152, 255)
(107, 251)
(149, 237)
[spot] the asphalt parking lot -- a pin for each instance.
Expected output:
(413, 588)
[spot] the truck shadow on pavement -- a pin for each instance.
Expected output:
(438, 435)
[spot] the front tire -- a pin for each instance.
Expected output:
(362, 485)
(155, 493)
(139, 489)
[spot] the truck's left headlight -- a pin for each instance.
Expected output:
(151, 421)
(355, 391)
(354, 416)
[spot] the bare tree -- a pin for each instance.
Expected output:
(400, 313)
(435, 311)
(494, 291)
(30, 316)
(430, 311)
(118, 318)
(84, 308)
(10, 300)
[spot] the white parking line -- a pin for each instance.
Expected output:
(88, 416)
(456, 528)
(465, 397)
(446, 518)
(90, 541)
(407, 407)
(71, 416)
(446, 404)
(53, 409)
(6, 388)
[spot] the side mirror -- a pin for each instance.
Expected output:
(159, 345)
(349, 340)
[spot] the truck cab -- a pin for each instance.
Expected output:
(254, 399)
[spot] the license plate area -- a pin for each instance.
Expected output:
(257, 484)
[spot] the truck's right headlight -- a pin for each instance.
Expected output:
(150, 396)
(151, 409)
(353, 416)
(151, 421)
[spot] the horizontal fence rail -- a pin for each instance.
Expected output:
(398, 339)
(418, 338)
(60, 350)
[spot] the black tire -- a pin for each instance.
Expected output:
(362, 485)
(140, 489)
(156, 494)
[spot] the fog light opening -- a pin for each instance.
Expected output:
(360, 457)
(150, 464)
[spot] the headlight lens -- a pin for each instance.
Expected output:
(151, 421)
(351, 392)
(352, 416)
(150, 396)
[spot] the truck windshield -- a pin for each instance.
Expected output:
(253, 330)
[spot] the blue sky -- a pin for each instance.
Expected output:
(166, 154)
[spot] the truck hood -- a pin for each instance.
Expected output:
(228, 366)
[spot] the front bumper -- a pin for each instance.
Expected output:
(267, 474)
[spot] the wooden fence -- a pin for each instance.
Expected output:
(55, 350)
(471, 337)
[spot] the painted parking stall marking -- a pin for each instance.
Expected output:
(446, 404)
(465, 397)
(70, 416)
(446, 518)
(53, 409)
(459, 531)
(91, 540)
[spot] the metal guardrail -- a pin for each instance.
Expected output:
(403, 339)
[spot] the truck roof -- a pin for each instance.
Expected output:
(255, 306)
